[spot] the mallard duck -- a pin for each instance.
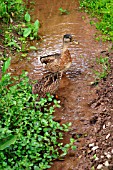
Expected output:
(48, 84)
(59, 62)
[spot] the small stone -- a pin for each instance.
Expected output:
(108, 136)
(104, 126)
(106, 163)
(108, 156)
(102, 156)
(112, 151)
(96, 159)
(109, 123)
(89, 151)
(91, 144)
(95, 148)
(99, 166)
(105, 153)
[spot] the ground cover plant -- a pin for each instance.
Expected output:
(103, 63)
(63, 11)
(11, 9)
(16, 28)
(30, 29)
(29, 137)
(102, 9)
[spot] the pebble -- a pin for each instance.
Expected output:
(102, 156)
(91, 144)
(96, 159)
(105, 153)
(108, 136)
(104, 126)
(112, 151)
(99, 166)
(95, 148)
(89, 151)
(109, 123)
(108, 156)
(106, 163)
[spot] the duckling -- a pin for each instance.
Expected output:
(48, 84)
(59, 62)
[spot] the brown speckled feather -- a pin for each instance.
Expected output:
(48, 84)
(65, 61)
(49, 58)
(59, 62)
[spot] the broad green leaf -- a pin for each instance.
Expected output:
(37, 24)
(74, 147)
(6, 65)
(6, 142)
(27, 32)
(33, 48)
(14, 44)
(19, 1)
(24, 55)
(27, 17)
(3, 9)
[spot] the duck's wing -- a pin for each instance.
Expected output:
(65, 61)
(49, 58)
(48, 83)
(52, 78)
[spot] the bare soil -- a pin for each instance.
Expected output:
(94, 139)
(97, 152)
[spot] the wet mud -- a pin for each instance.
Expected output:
(75, 91)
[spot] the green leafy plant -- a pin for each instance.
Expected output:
(6, 65)
(63, 11)
(29, 136)
(102, 9)
(16, 28)
(104, 63)
(10, 9)
(10, 41)
(30, 30)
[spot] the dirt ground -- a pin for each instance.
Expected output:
(94, 140)
(98, 150)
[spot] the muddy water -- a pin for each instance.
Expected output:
(75, 92)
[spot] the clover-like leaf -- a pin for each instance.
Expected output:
(6, 65)
(27, 17)
(27, 32)
(6, 142)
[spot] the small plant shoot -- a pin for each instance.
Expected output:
(31, 29)
(63, 11)
(104, 63)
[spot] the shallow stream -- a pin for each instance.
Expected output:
(75, 91)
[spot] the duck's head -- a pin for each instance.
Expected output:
(67, 38)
